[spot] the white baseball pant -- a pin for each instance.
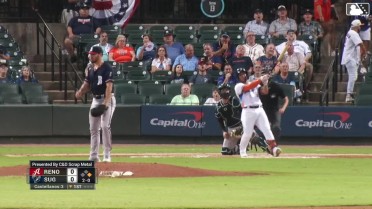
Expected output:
(98, 123)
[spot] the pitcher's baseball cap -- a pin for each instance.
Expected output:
(96, 50)
(356, 23)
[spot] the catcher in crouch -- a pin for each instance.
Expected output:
(228, 113)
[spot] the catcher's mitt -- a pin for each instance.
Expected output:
(256, 140)
(237, 132)
(98, 111)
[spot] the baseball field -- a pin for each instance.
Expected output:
(197, 176)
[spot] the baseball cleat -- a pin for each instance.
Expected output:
(95, 159)
(276, 151)
(106, 159)
(243, 155)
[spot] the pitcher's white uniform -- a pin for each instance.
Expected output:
(253, 114)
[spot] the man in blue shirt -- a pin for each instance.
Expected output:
(174, 49)
(188, 60)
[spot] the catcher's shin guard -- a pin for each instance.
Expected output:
(228, 151)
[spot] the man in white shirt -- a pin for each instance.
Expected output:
(252, 49)
(281, 25)
(351, 56)
(257, 26)
(301, 47)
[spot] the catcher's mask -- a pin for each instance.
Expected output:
(224, 91)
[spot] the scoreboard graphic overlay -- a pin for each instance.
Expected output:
(62, 175)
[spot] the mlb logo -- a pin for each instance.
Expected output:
(356, 9)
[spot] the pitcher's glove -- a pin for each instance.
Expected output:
(98, 111)
(237, 133)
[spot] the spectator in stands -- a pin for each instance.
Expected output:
(185, 98)
(284, 76)
(69, 11)
(122, 52)
(202, 75)
(269, 60)
(214, 99)
(281, 25)
(252, 49)
(310, 27)
(103, 43)
(257, 69)
(82, 24)
(178, 76)
(26, 77)
(301, 47)
(3, 74)
(224, 48)
(188, 60)
(241, 61)
(295, 60)
(148, 50)
(213, 62)
(322, 13)
(228, 77)
(161, 62)
(256, 26)
(4, 55)
(174, 49)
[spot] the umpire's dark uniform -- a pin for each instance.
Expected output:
(270, 104)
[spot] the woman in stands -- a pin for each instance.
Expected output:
(178, 76)
(161, 62)
(148, 50)
(122, 52)
(26, 77)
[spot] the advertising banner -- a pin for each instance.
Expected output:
(327, 121)
(171, 120)
(212, 128)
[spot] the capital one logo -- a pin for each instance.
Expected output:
(339, 123)
(194, 122)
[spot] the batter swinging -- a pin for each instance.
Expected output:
(253, 113)
(99, 81)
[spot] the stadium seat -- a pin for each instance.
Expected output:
(185, 29)
(160, 99)
(138, 75)
(12, 99)
(186, 38)
(278, 40)
(132, 99)
(162, 76)
(134, 34)
(185, 34)
(363, 100)
(148, 89)
(124, 88)
(209, 29)
(236, 33)
(172, 89)
(9, 89)
(111, 29)
(198, 49)
(43, 99)
(203, 91)
(365, 88)
(158, 29)
(209, 37)
(263, 40)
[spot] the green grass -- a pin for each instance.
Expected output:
(287, 182)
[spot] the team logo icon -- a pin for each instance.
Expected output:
(356, 9)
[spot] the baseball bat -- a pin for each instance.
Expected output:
(281, 56)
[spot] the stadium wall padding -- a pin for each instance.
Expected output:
(192, 121)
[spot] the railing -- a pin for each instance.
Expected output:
(58, 54)
(330, 79)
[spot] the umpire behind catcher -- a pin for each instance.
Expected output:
(98, 79)
(270, 102)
